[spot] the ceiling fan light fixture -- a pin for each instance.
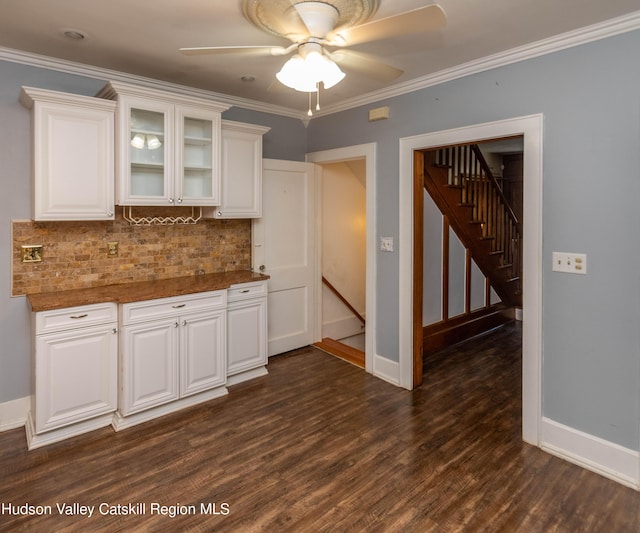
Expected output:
(304, 74)
(331, 73)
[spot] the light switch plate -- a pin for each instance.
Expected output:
(386, 244)
(570, 263)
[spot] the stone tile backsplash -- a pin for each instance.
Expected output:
(75, 253)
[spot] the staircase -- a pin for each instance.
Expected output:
(464, 189)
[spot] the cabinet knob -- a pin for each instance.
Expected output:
(262, 268)
(184, 322)
(179, 200)
(114, 330)
(171, 200)
(110, 213)
(176, 324)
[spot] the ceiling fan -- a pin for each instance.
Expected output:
(320, 33)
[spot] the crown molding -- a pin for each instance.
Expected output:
(553, 44)
(89, 71)
(556, 43)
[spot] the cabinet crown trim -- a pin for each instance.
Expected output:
(30, 95)
(113, 89)
(244, 126)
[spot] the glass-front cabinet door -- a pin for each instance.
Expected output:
(197, 157)
(146, 165)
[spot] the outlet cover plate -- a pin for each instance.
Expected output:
(32, 253)
(570, 263)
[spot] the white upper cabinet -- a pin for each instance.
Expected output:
(241, 171)
(73, 155)
(167, 147)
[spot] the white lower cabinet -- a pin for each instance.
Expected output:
(103, 364)
(172, 354)
(246, 331)
(75, 372)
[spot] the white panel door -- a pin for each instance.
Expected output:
(284, 248)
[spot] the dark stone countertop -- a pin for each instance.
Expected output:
(142, 290)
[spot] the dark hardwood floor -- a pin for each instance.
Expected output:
(319, 445)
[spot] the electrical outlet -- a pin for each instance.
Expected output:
(112, 249)
(32, 253)
(569, 263)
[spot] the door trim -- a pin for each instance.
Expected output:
(531, 127)
(368, 152)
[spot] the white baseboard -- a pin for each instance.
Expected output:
(13, 414)
(120, 422)
(593, 453)
(386, 369)
(246, 375)
(342, 327)
(56, 435)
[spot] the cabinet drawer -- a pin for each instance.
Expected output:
(75, 317)
(173, 306)
(244, 291)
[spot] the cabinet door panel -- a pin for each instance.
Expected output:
(241, 171)
(247, 335)
(76, 376)
(149, 365)
(203, 350)
(73, 151)
(197, 156)
(145, 156)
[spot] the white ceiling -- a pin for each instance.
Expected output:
(142, 37)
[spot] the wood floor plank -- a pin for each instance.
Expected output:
(318, 445)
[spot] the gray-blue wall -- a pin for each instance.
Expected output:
(285, 140)
(590, 97)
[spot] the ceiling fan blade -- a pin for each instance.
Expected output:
(424, 19)
(365, 64)
(246, 50)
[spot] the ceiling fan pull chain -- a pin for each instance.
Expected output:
(318, 96)
(309, 113)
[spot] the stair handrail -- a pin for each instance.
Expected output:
(343, 300)
(483, 163)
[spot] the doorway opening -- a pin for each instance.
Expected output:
(410, 309)
(343, 218)
(346, 250)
